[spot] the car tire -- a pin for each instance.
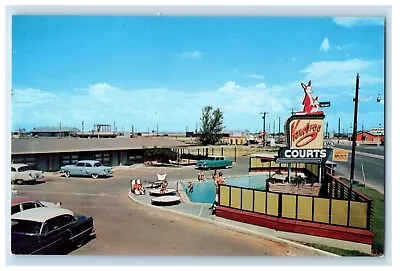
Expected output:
(19, 181)
(95, 176)
(78, 241)
(67, 174)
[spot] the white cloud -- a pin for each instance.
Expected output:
(261, 85)
(256, 76)
(194, 54)
(358, 21)
(342, 73)
(229, 87)
(339, 48)
(104, 103)
(325, 45)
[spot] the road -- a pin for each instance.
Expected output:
(379, 150)
(374, 167)
(124, 227)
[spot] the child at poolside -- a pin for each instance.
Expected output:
(190, 186)
(164, 187)
(200, 176)
(214, 175)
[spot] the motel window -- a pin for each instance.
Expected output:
(29, 160)
(103, 158)
(69, 159)
(135, 159)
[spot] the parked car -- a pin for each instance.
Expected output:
(214, 161)
(46, 230)
(21, 203)
(22, 173)
(86, 168)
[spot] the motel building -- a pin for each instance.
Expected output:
(49, 154)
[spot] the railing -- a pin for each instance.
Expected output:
(354, 214)
(341, 191)
(258, 163)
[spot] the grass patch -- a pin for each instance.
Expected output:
(335, 250)
(378, 221)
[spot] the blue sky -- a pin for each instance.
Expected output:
(145, 71)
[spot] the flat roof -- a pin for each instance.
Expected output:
(60, 145)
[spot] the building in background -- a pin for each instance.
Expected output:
(54, 131)
(49, 154)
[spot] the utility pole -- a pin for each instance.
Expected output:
(327, 134)
(362, 135)
(339, 129)
(279, 126)
(292, 111)
(353, 148)
(83, 126)
(274, 128)
(269, 128)
(263, 117)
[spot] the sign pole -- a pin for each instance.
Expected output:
(362, 168)
(320, 171)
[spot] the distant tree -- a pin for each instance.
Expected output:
(160, 155)
(211, 125)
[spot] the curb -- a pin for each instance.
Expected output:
(238, 229)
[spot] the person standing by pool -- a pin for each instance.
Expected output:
(190, 186)
(200, 176)
(214, 175)
(218, 181)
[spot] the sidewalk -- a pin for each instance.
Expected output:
(201, 212)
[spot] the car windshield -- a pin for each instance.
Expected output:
(25, 226)
(97, 164)
(24, 168)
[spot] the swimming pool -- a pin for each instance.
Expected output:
(204, 192)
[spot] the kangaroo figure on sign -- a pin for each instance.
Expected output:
(310, 104)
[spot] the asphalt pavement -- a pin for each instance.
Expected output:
(368, 158)
(124, 227)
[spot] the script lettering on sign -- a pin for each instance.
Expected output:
(306, 134)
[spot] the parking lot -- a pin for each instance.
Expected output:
(124, 227)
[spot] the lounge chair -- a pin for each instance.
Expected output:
(135, 184)
(160, 180)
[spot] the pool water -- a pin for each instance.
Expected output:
(204, 192)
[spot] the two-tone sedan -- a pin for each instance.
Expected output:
(47, 230)
(22, 203)
(91, 168)
(213, 162)
(22, 173)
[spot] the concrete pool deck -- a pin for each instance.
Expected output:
(201, 212)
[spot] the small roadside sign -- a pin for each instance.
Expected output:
(329, 144)
(340, 155)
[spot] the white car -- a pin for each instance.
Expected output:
(21, 173)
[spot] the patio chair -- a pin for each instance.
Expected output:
(160, 180)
